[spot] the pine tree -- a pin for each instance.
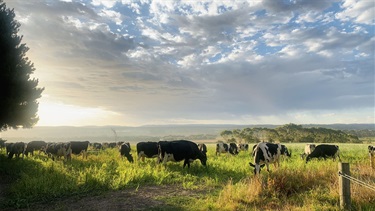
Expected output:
(19, 92)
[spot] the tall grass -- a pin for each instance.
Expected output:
(226, 184)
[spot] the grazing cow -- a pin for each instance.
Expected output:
(125, 151)
(112, 145)
(221, 148)
(15, 149)
(233, 149)
(96, 146)
(284, 151)
(180, 150)
(265, 153)
(308, 149)
(56, 150)
(324, 151)
(147, 149)
(78, 147)
(243, 147)
(34, 145)
(8, 147)
(2, 144)
(371, 150)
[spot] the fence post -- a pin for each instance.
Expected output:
(372, 160)
(344, 186)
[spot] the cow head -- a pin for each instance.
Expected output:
(129, 157)
(288, 152)
(257, 168)
(203, 159)
(308, 158)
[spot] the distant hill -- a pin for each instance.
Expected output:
(109, 133)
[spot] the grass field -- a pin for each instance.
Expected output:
(227, 183)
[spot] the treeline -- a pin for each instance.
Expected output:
(290, 133)
(361, 133)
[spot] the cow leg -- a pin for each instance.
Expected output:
(165, 158)
(186, 162)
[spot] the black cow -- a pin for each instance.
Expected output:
(147, 149)
(125, 151)
(78, 147)
(15, 149)
(34, 145)
(265, 153)
(324, 151)
(180, 150)
(112, 145)
(96, 146)
(56, 150)
(8, 147)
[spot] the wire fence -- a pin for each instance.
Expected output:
(355, 180)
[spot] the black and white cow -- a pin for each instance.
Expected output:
(15, 149)
(225, 148)
(147, 150)
(180, 150)
(221, 148)
(371, 150)
(56, 150)
(125, 151)
(285, 151)
(324, 151)
(243, 147)
(34, 145)
(308, 149)
(371, 153)
(233, 149)
(79, 147)
(265, 153)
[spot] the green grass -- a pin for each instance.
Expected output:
(226, 184)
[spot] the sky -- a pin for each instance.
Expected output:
(132, 63)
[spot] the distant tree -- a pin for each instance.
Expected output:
(19, 92)
(226, 134)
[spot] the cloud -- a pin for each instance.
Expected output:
(203, 60)
(358, 11)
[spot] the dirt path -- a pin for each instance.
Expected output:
(143, 198)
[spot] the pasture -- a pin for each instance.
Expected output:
(227, 183)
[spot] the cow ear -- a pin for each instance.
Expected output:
(252, 165)
(261, 166)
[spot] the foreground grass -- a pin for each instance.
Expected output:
(226, 184)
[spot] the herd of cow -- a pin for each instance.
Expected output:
(180, 150)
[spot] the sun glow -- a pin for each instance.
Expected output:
(60, 114)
